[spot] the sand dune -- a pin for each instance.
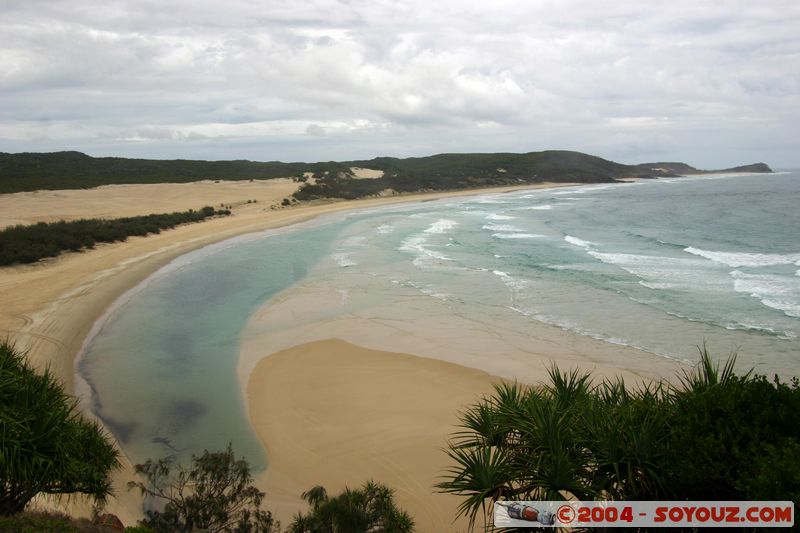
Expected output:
(112, 201)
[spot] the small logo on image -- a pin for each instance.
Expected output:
(510, 513)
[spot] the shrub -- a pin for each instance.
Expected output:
(46, 446)
(27, 244)
(716, 436)
(366, 509)
(215, 494)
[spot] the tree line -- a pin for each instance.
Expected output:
(76, 170)
(30, 243)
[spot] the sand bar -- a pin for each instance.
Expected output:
(310, 351)
(50, 307)
(334, 414)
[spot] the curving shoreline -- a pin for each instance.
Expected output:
(51, 308)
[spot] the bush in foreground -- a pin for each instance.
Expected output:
(214, 494)
(45, 444)
(370, 508)
(715, 436)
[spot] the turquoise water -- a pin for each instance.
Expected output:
(663, 266)
(162, 369)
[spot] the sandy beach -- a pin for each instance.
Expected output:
(335, 414)
(339, 400)
(50, 307)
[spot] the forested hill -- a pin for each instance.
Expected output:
(75, 170)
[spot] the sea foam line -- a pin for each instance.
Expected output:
(776, 292)
(442, 225)
(517, 236)
(744, 259)
(578, 242)
(501, 227)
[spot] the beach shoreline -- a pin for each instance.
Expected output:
(52, 307)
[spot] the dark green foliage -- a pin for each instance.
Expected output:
(27, 244)
(567, 439)
(46, 523)
(74, 170)
(664, 169)
(464, 171)
(215, 494)
(368, 509)
(736, 438)
(45, 444)
(716, 436)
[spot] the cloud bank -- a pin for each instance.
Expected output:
(714, 83)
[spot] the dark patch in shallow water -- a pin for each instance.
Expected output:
(180, 415)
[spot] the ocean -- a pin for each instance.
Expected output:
(664, 266)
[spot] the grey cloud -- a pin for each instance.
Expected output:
(624, 80)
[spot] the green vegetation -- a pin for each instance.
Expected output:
(46, 522)
(715, 436)
(464, 171)
(74, 170)
(27, 244)
(215, 494)
(45, 444)
(363, 510)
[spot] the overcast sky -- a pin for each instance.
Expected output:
(710, 82)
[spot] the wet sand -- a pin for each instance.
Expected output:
(329, 375)
(334, 414)
(50, 307)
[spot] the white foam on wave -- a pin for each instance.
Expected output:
(545, 207)
(578, 242)
(384, 229)
(500, 227)
(517, 236)
(515, 284)
(343, 259)
(442, 225)
(425, 257)
(495, 216)
(778, 292)
(743, 259)
(739, 326)
(658, 286)
(568, 325)
(661, 273)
